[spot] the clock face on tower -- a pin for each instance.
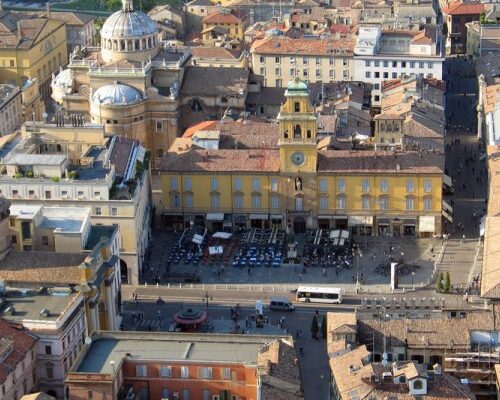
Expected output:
(298, 158)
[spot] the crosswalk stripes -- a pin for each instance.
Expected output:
(144, 325)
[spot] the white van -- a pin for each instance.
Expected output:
(281, 304)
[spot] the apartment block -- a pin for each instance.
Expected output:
(280, 59)
(78, 166)
(130, 365)
(381, 55)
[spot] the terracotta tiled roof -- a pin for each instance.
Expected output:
(37, 396)
(200, 126)
(433, 333)
(213, 52)
(41, 267)
(314, 47)
(279, 371)
(221, 161)
(70, 18)
(459, 8)
(364, 161)
(22, 343)
(221, 18)
(436, 83)
(213, 81)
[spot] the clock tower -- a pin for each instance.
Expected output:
(297, 142)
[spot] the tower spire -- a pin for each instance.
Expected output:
(127, 5)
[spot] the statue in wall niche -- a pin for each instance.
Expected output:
(298, 184)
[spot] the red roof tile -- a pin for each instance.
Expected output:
(22, 343)
(221, 18)
(459, 8)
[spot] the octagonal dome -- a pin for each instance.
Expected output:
(128, 23)
(116, 94)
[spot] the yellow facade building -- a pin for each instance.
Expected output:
(281, 175)
(32, 46)
(222, 23)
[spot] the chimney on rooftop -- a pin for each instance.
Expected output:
(19, 33)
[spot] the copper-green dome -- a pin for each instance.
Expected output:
(296, 87)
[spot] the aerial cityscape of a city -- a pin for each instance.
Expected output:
(250, 200)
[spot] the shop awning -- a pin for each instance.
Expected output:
(409, 222)
(222, 235)
(447, 216)
(383, 221)
(258, 216)
(426, 224)
(360, 220)
(215, 217)
(325, 216)
(276, 216)
(339, 216)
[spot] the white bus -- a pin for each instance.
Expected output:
(319, 294)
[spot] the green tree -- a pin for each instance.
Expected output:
(447, 282)
(439, 283)
(314, 327)
(324, 325)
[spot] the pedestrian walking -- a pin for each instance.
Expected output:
(324, 271)
(300, 277)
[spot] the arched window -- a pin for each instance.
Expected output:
(129, 45)
(297, 132)
(418, 385)
(115, 44)
(149, 43)
(285, 134)
(122, 45)
(137, 45)
(143, 44)
(382, 127)
(297, 106)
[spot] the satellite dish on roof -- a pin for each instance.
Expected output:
(88, 340)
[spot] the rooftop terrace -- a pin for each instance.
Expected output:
(115, 346)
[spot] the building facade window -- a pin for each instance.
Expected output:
(410, 203)
(238, 201)
(226, 373)
(141, 371)
(323, 185)
(427, 185)
(205, 372)
(188, 183)
(341, 185)
(383, 202)
(238, 184)
(275, 201)
(184, 372)
(384, 186)
(365, 185)
(215, 200)
(214, 183)
(188, 200)
(410, 186)
(174, 200)
(341, 202)
(166, 371)
(323, 202)
(427, 204)
(274, 184)
(173, 183)
(365, 202)
(256, 184)
(256, 201)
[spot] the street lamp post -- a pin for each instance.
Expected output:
(402, 257)
(206, 299)
(412, 276)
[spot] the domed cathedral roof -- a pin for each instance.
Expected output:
(296, 88)
(129, 35)
(116, 94)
